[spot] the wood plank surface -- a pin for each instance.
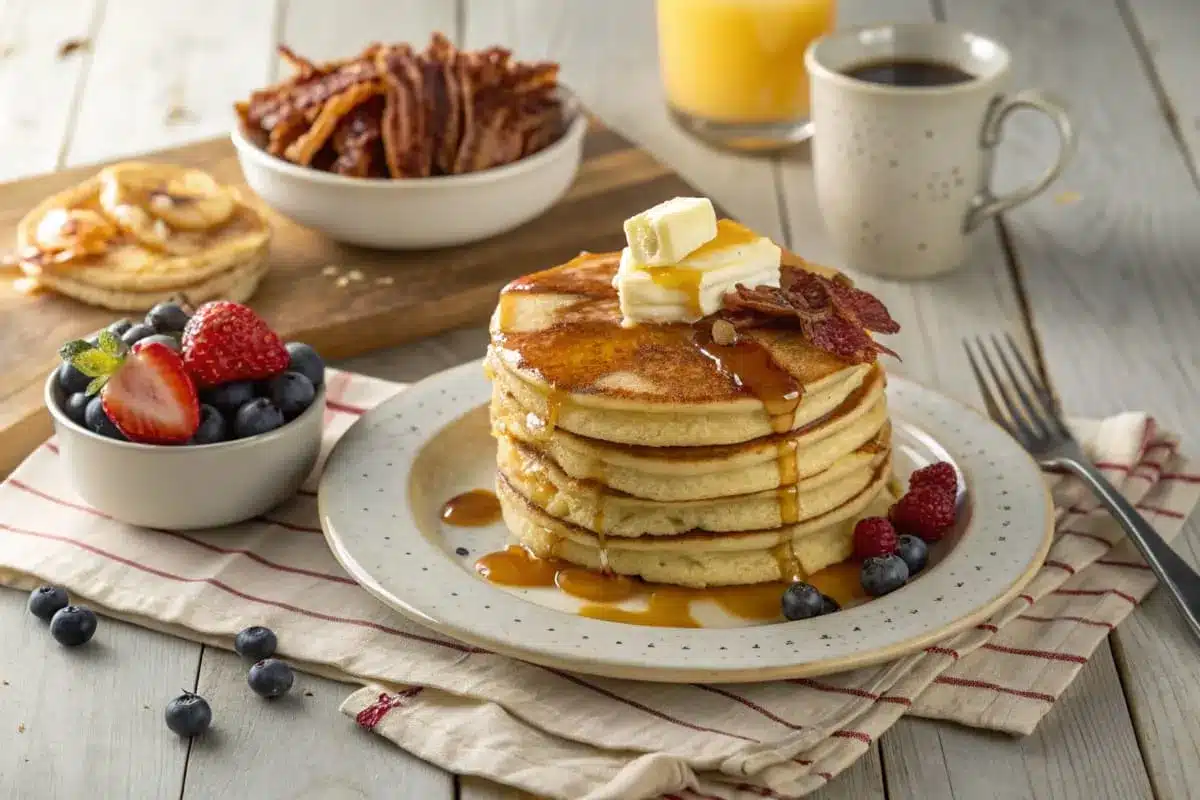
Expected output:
(1113, 288)
(297, 746)
(38, 86)
(88, 722)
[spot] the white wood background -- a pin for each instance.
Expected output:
(1101, 277)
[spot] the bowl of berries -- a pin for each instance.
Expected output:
(187, 420)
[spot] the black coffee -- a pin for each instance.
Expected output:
(893, 72)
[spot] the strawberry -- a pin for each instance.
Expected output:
(151, 398)
(225, 341)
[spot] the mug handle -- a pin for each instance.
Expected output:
(986, 204)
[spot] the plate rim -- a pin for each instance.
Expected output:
(659, 674)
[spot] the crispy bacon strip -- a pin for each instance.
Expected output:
(833, 315)
(445, 111)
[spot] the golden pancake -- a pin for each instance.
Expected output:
(692, 473)
(594, 507)
(558, 347)
(697, 561)
(128, 264)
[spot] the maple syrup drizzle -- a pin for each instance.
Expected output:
(506, 312)
(680, 279)
(472, 509)
(595, 586)
(750, 365)
(516, 566)
(662, 606)
(785, 558)
(785, 462)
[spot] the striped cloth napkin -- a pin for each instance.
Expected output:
(569, 736)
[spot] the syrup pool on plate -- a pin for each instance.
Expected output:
(472, 509)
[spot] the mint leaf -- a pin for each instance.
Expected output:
(96, 385)
(95, 363)
(73, 348)
(110, 343)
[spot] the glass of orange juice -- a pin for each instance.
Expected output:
(733, 70)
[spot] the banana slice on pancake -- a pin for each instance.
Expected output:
(151, 201)
(64, 234)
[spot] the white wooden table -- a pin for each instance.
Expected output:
(1101, 276)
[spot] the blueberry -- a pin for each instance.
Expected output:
(70, 379)
(883, 574)
(291, 393)
(188, 715)
(45, 601)
(213, 427)
(255, 642)
(73, 625)
(98, 422)
(306, 361)
(162, 338)
(258, 416)
(167, 317)
(229, 397)
(915, 553)
(270, 677)
(75, 407)
(801, 601)
(829, 605)
(120, 326)
(136, 333)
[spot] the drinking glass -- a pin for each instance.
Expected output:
(733, 70)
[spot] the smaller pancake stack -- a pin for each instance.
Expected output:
(654, 450)
(139, 233)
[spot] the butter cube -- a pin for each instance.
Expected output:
(666, 233)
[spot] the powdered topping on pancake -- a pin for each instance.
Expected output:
(833, 315)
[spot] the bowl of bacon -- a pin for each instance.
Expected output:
(403, 149)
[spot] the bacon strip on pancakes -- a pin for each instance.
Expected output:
(832, 315)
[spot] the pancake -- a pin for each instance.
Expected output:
(558, 347)
(594, 507)
(692, 473)
(698, 561)
(236, 284)
(129, 266)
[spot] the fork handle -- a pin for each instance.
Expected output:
(1175, 574)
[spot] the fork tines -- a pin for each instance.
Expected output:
(1030, 411)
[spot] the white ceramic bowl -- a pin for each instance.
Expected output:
(192, 486)
(416, 213)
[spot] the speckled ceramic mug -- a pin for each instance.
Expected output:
(902, 172)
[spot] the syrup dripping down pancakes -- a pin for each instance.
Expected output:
(658, 452)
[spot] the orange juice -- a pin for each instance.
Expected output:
(739, 61)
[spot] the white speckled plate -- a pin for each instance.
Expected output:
(386, 481)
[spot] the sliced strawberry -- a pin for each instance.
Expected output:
(151, 398)
(225, 341)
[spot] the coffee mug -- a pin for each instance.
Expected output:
(906, 121)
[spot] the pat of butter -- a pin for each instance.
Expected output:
(696, 286)
(669, 231)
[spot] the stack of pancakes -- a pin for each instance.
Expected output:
(652, 451)
(140, 233)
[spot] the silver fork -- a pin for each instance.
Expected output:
(1032, 416)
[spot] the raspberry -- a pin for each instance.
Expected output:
(926, 512)
(874, 536)
(941, 474)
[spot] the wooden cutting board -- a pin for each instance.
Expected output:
(430, 291)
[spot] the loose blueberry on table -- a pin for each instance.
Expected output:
(73, 625)
(175, 379)
(46, 601)
(270, 678)
(256, 642)
(188, 715)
